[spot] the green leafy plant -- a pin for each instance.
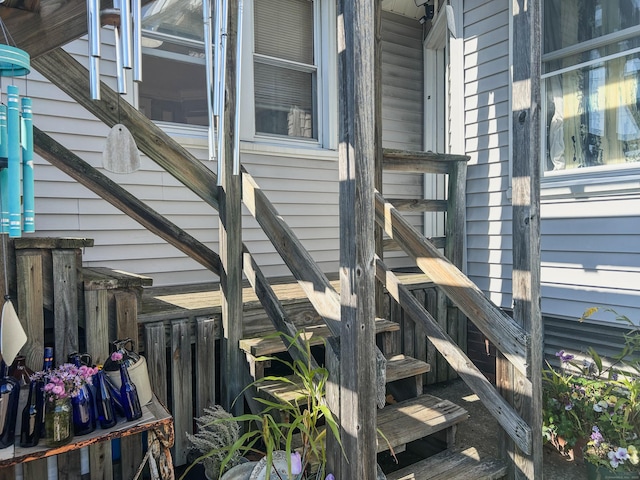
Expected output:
(211, 439)
(597, 402)
(281, 423)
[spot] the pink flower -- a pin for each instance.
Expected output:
(116, 356)
(58, 390)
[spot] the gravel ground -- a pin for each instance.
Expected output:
(481, 431)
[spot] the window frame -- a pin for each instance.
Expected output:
(596, 180)
(326, 90)
(326, 83)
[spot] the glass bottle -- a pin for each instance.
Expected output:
(32, 417)
(104, 402)
(9, 393)
(47, 365)
(20, 371)
(129, 395)
(84, 416)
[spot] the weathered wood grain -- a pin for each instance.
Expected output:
(96, 304)
(155, 351)
(356, 165)
(30, 306)
(420, 162)
(503, 332)
(182, 385)
(205, 364)
(418, 205)
(497, 406)
(526, 387)
(65, 293)
(230, 235)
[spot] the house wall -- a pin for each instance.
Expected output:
(590, 234)
(301, 183)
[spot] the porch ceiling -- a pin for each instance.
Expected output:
(406, 8)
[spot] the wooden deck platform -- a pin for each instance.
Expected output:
(199, 300)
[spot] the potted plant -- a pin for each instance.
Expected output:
(600, 403)
(273, 432)
(211, 438)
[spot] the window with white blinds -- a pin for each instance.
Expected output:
(285, 70)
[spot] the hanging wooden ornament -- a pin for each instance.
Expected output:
(120, 153)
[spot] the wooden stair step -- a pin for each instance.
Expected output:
(398, 367)
(402, 366)
(453, 464)
(259, 346)
(406, 421)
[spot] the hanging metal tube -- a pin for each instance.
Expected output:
(125, 33)
(136, 10)
(94, 77)
(93, 27)
(120, 71)
(222, 84)
(236, 127)
(208, 57)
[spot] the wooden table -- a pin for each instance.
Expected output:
(155, 419)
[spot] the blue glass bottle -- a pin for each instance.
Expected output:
(129, 395)
(9, 393)
(84, 416)
(104, 402)
(47, 365)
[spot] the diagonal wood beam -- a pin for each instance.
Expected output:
(56, 24)
(72, 78)
(76, 168)
(513, 424)
(508, 337)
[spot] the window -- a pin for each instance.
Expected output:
(173, 66)
(591, 85)
(285, 72)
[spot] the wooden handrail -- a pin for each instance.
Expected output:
(512, 423)
(509, 338)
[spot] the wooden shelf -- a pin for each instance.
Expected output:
(154, 417)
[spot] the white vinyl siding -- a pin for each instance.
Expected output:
(486, 98)
(402, 110)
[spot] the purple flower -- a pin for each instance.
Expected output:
(296, 463)
(564, 357)
(568, 406)
(596, 436)
(618, 457)
(330, 477)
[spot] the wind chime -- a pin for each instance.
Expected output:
(215, 47)
(126, 19)
(121, 153)
(17, 211)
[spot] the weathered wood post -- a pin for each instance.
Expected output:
(357, 243)
(230, 236)
(525, 394)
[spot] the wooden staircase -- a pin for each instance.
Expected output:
(416, 416)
